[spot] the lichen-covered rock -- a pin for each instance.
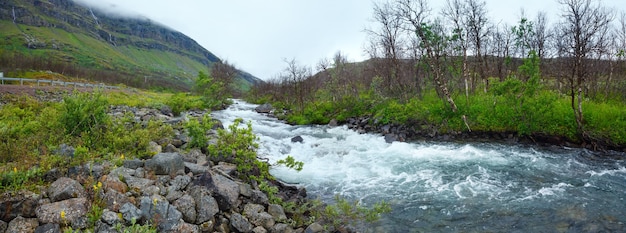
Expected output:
(101, 227)
(65, 188)
(166, 164)
(154, 148)
(48, 228)
(206, 205)
(22, 204)
(71, 209)
(277, 212)
(138, 183)
(113, 182)
(133, 163)
(314, 228)
(130, 212)
(259, 197)
(187, 206)
(3, 226)
(22, 225)
(180, 182)
(196, 168)
(256, 215)
(259, 230)
(158, 210)
(109, 217)
(114, 200)
(281, 228)
(226, 191)
(186, 227)
(240, 223)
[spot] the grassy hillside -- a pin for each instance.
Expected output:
(57, 45)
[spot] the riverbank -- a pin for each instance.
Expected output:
(135, 168)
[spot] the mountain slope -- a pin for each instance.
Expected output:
(136, 52)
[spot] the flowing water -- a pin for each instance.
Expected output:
(449, 187)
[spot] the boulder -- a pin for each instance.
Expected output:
(154, 148)
(130, 212)
(240, 223)
(333, 123)
(166, 164)
(186, 227)
(205, 205)
(133, 163)
(73, 209)
(23, 204)
(110, 217)
(65, 188)
(187, 206)
(314, 228)
(297, 139)
(48, 228)
(158, 210)
(226, 191)
(256, 215)
(264, 108)
(277, 212)
(195, 168)
(115, 200)
(281, 228)
(65, 150)
(21, 224)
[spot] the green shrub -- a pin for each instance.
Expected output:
(85, 115)
(197, 131)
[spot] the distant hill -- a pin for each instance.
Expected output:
(65, 37)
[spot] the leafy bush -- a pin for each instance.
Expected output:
(238, 145)
(197, 131)
(85, 115)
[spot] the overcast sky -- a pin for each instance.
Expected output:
(257, 36)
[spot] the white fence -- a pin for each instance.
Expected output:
(5, 80)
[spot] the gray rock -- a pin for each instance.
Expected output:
(226, 168)
(139, 183)
(256, 215)
(21, 225)
(52, 175)
(48, 228)
(154, 148)
(65, 150)
(264, 108)
(180, 182)
(173, 194)
(65, 188)
(130, 212)
(166, 110)
(240, 223)
(115, 200)
(186, 227)
(245, 189)
(80, 223)
(281, 228)
(109, 217)
(3, 226)
(122, 172)
(259, 197)
(158, 210)
(259, 229)
(314, 228)
(297, 139)
(206, 205)
(195, 168)
(277, 212)
(332, 123)
(389, 138)
(169, 148)
(23, 204)
(101, 227)
(187, 206)
(225, 191)
(74, 208)
(133, 163)
(166, 164)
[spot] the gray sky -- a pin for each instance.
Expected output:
(257, 36)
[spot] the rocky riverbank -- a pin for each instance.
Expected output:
(424, 131)
(176, 190)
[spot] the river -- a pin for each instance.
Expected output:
(448, 187)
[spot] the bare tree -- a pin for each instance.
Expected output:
(295, 75)
(583, 23)
(455, 11)
(226, 73)
(387, 38)
(478, 32)
(541, 35)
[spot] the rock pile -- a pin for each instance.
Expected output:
(167, 191)
(173, 191)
